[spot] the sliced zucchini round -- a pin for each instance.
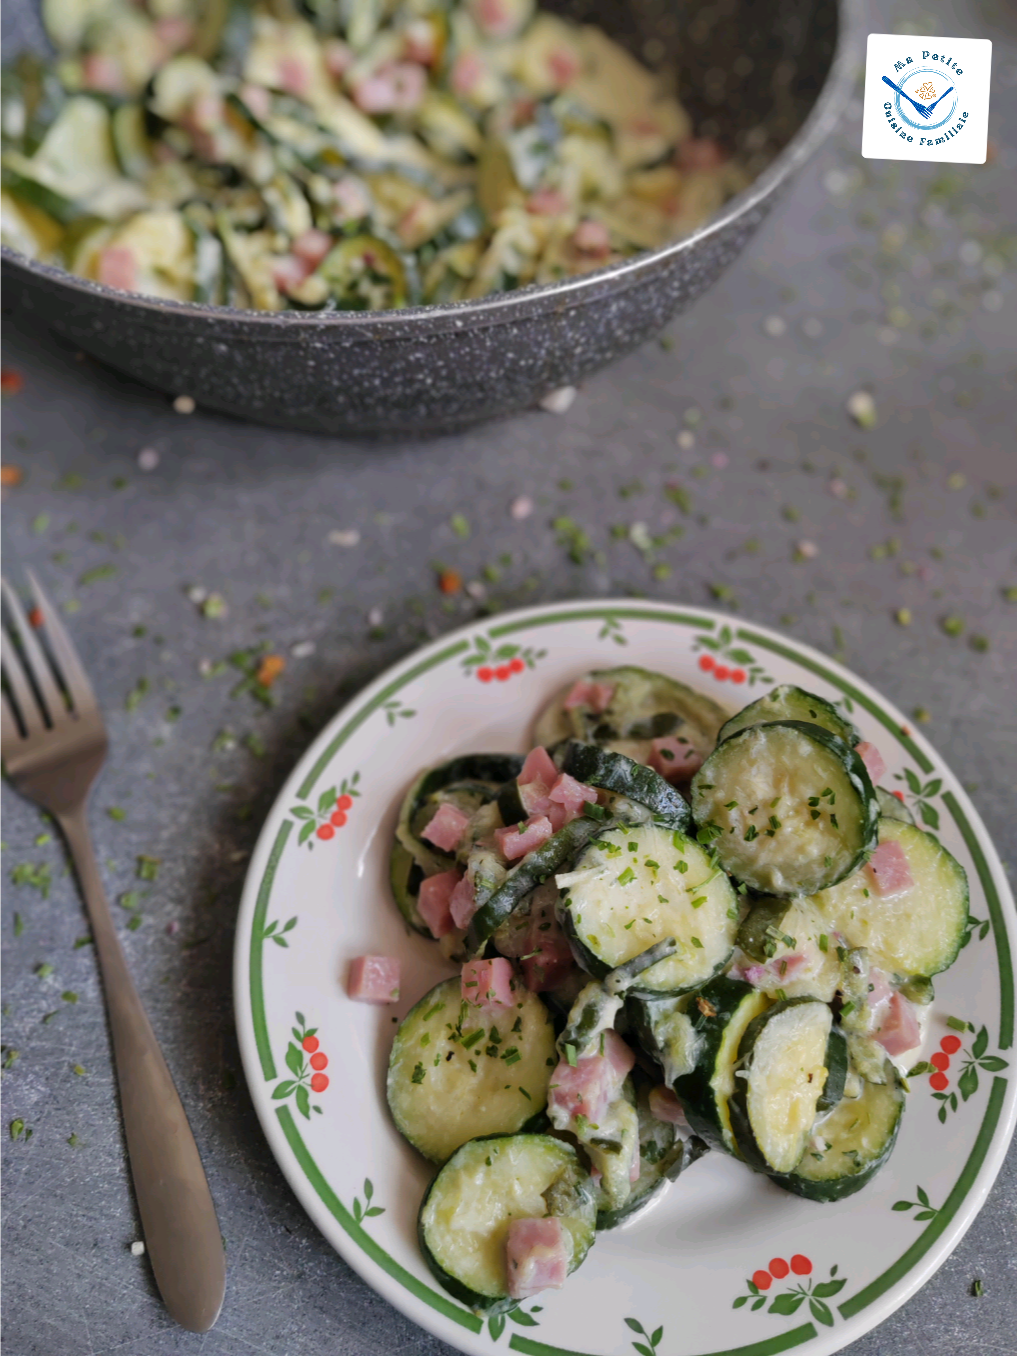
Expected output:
(916, 932)
(456, 1072)
(666, 1030)
(625, 777)
(720, 1015)
(837, 1063)
(466, 1213)
(644, 706)
(788, 702)
(892, 808)
(792, 939)
(663, 1156)
(849, 1147)
(636, 886)
(780, 1082)
(790, 806)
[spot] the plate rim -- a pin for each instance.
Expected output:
(428, 1307)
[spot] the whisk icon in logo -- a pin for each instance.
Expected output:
(926, 98)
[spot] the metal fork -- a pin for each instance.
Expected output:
(54, 744)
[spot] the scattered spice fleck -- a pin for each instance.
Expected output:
(903, 616)
(41, 876)
(213, 608)
(724, 593)
(303, 649)
(953, 625)
(10, 476)
(450, 581)
(346, 537)
(138, 1249)
(117, 812)
(460, 526)
(270, 668)
(775, 326)
(184, 404)
(97, 572)
(148, 459)
(686, 440)
(521, 508)
(557, 402)
(806, 550)
(977, 1288)
(978, 643)
(719, 460)
(11, 381)
(922, 715)
(148, 867)
(862, 409)
(956, 481)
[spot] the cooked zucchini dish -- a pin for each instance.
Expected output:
(343, 154)
(677, 931)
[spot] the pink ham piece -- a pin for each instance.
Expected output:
(880, 990)
(257, 99)
(496, 18)
(538, 767)
(374, 979)
(174, 33)
(118, 268)
(774, 973)
(872, 759)
(547, 202)
(635, 1165)
(463, 904)
(674, 759)
(101, 72)
(396, 87)
(700, 153)
(899, 1030)
(665, 1106)
(537, 1254)
(563, 65)
(312, 246)
(487, 984)
(513, 844)
(338, 57)
(447, 827)
(293, 76)
(468, 71)
(288, 272)
(595, 696)
(434, 902)
(351, 198)
(588, 1087)
(889, 871)
(421, 39)
(568, 797)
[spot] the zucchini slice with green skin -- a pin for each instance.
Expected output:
(850, 1146)
(793, 942)
(919, 930)
(780, 1082)
(666, 1030)
(663, 1156)
(892, 808)
(451, 1062)
(635, 886)
(791, 807)
(837, 1063)
(465, 1215)
(644, 706)
(720, 1015)
(615, 772)
(505, 896)
(788, 702)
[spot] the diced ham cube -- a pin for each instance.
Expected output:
(487, 984)
(700, 153)
(205, 113)
(880, 990)
(118, 268)
(351, 198)
(374, 979)
(257, 99)
(421, 39)
(889, 871)
(312, 246)
(568, 796)
(774, 973)
(435, 900)
(563, 65)
(396, 87)
(447, 827)
(288, 272)
(538, 767)
(537, 1255)
(593, 239)
(463, 904)
(596, 696)
(634, 1166)
(899, 1030)
(174, 33)
(548, 957)
(547, 202)
(293, 75)
(468, 72)
(588, 1087)
(102, 72)
(872, 759)
(513, 844)
(338, 57)
(665, 1106)
(498, 18)
(675, 759)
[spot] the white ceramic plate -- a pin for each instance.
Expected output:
(726, 1262)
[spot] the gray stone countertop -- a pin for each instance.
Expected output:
(717, 466)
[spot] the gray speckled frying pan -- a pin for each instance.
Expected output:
(768, 76)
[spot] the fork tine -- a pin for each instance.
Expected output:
(38, 665)
(66, 656)
(20, 687)
(10, 733)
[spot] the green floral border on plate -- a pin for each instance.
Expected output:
(442, 1304)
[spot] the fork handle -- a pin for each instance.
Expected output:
(178, 1218)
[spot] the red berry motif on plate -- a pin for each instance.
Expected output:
(497, 665)
(938, 1067)
(331, 815)
(789, 1300)
(306, 1072)
(729, 663)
